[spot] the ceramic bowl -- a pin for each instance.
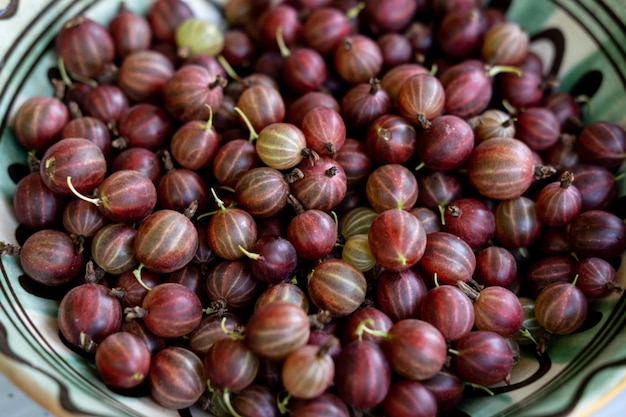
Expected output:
(583, 43)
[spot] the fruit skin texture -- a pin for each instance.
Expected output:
(173, 310)
(277, 329)
(49, 257)
(448, 309)
(315, 371)
(177, 378)
(337, 286)
(88, 309)
(166, 241)
(397, 239)
(362, 374)
(122, 360)
(230, 365)
(501, 168)
(39, 121)
(561, 308)
(85, 46)
(411, 399)
(73, 157)
(415, 349)
(483, 358)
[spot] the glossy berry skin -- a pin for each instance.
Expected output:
(415, 349)
(39, 122)
(561, 308)
(262, 191)
(357, 59)
(173, 310)
(538, 127)
(50, 257)
(308, 372)
(88, 309)
(597, 233)
(483, 358)
(106, 102)
(447, 388)
(130, 32)
(188, 92)
(391, 186)
(400, 294)
(501, 168)
(337, 286)
(89, 128)
(397, 239)
(374, 318)
(304, 70)
(499, 310)
(277, 259)
(122, 360)
(144, 125)
(77, 158)
(166, 241)
(548, 270)
(421, 98)
(323, 184)
(602, 143)
(495, 265)
(277, 329)
(127, 196)
(229, 229)
(518, 224)
(143, 74)
(449, 257)
(407, 397)
(312, 233)
(433, 144)
(448, 309)
(362, 374)
(327, 405)
(471, 220)
(35, 205)
(230, 365)
(467, 88)
(324, 130)
(559, 202)
(596, 278)
(597, 186)
(256, 400)
(112, 248)
(177, 378)
(85, 47)
(390, 139)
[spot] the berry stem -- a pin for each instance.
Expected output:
(234, 335)
(64, 76)
(228, 68)
(362, 328)
(280, 40)
(209, 124)
(251, 255)
(137, 275)
(95, 201)
(478, 386)
(228, 404)
(354, 11)
(527, 334)
(253, 134)
(566, 179)
(282, 404)
(492, 71)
